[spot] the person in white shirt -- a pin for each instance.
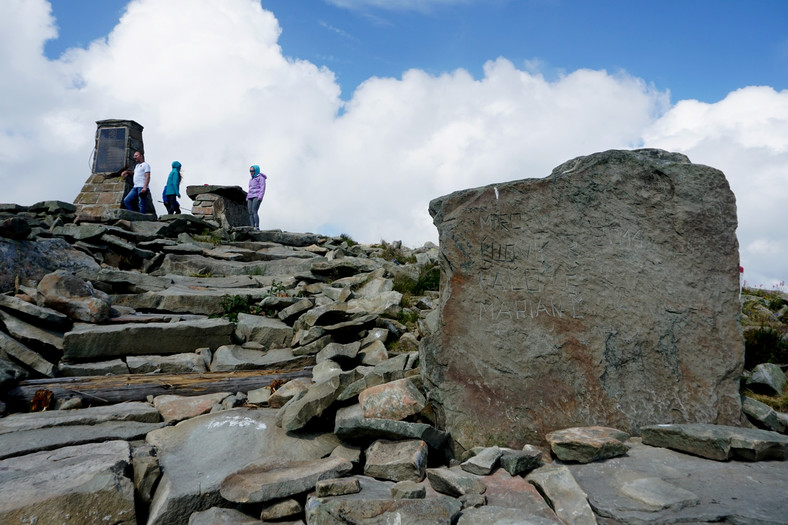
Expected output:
(139, 193)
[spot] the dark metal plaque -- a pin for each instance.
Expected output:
(111, 150)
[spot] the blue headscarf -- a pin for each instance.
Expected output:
(176, 169)
(256, 170)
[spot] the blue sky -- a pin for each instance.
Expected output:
(697, 49)
(362, 111)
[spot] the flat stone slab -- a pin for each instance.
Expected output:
(233, 357)
(197, 454)
(88, 342)
(81, 484)
(718, 442)
(279, 479)
(132, 411)
(178, 408)
(351, 424)
(652, 485)
(28, 441)
(584, 444)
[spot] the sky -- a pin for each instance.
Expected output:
(362, 111)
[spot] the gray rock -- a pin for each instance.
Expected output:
(13, 348)
(585, 444)
(408, 490)
(99, 368)
(315, 401)
(264, 330)
(565, 496)
(484, 462)
(374, 504)
(178, 408)
(763, 416)
(282, 509)
(325, 370)
(67, 293)
(494, 515)
(146, 469)
(220, 516)
(32, 336)
(395, 400)
(517, 462)
(91, 341)
(549, 299)
(351, 424)
(396, 460)
(132, 411)
(191, 363)
(506, 491)
(197, 454)
(34, 314)
(341, 353)
(80, 484)
(337, 487)
(288, 391)
(10, 373)
(280, 479)
(344, 267)
(233, 357)
(30, 260)
(28, 441)
(718, 442)
(767, 378)
(725, 492)
(454, 481)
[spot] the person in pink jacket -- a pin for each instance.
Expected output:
(255, 195)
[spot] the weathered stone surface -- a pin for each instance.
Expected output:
(264, 330)
(351, 424)
(178, 408)
(191, 363)
(15, 228)
(408, 490)
(30, 260)
(28, 441)
(81, 484)
(341, 353)
(517, 462)
(396, 400)
(515, 492)
(234, 357)
(613, 281)
(31, 335)
(90, 342)
(220, 516)
(277, 479)
(767, 378)
(67, 293)
(289, 390)
(396, 460)
(585, 444)
(763, 415)
(32, 313)
(454, 481)
(726, 492)
(26, 356)
(281, 509)
(146, 469)
(197, 454)
(490, 514)
(565, 496)
(374, 504)
(98, 368)
(337, 487)
(718, 442)
(133, 411)
(484, 462)
(320, 396)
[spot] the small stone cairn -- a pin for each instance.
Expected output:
(173, 371)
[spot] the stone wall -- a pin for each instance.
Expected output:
(225, 205)
(604, 294)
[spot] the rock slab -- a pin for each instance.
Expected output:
(607, 291)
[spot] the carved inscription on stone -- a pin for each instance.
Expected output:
(520, 278)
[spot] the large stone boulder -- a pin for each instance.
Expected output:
(30, 260)
(604, 294)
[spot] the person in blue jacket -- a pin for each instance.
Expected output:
(172, 189)
(255, 195)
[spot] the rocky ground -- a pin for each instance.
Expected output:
(171, 371)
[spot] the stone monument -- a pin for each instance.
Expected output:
(603, 294)
(103, 192)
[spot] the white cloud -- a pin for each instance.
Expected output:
(217, 94)
(746, 136)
